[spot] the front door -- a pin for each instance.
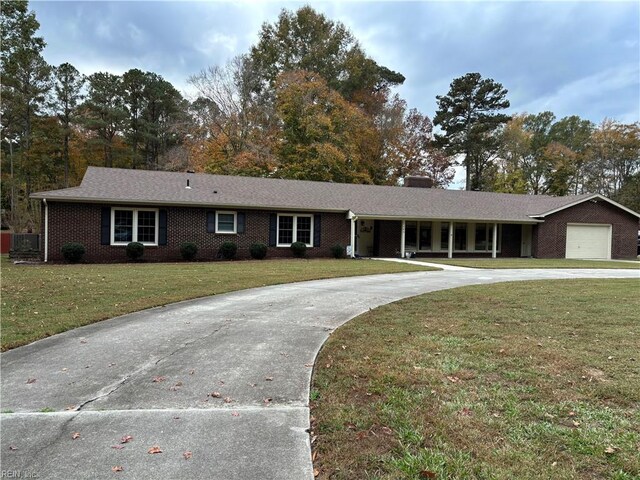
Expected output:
(365, 238)
(525, 245)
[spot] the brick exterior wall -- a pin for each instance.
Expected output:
(390, 234)
(77, 222)
(550, 238)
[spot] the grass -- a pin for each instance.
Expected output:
(42, 300)
(530, 263)
(532, 380)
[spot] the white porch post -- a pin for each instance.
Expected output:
(402, 237)
(450, 254)
(494, 245)
(353, 236)
(46, 230)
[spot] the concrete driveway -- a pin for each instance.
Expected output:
(219, 384)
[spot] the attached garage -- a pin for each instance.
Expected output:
(588, 241)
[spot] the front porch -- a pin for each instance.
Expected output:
(438, 238)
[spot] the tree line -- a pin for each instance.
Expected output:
(305, 102)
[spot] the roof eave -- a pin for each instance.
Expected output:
(116, 201)
(595, 196)
(531, 221)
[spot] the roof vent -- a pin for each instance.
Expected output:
(418, 182)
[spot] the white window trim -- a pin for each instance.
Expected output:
(235, 222)
(295, 229)
(135, 226)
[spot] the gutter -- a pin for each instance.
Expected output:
(112, 201)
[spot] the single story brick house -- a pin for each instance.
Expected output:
(113, 207)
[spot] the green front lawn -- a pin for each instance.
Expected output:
(530, 263)
(42, 300)
(531, 380)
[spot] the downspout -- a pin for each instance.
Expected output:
(46, 230)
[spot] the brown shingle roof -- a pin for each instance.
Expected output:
(113, 185)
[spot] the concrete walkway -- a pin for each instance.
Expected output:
(441, 266)
(225, 378)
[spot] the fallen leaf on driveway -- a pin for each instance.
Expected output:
(155, 449)
(117, 468)
(227, 400)
(267, 400)
(11, 447)
(126, 439)
(159, 379)
(31, 380)
(117, 447)
(214, 395)
(75, 435)
(187, 455)
(235, 414)
(269, 379)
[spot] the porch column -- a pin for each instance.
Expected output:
(353, 237)
(494, 245)
(46, 230)
(450, 255)
(402, 238)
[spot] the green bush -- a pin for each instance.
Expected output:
(188, 250)
(299, 249)
(228, 250)
(258, 251)
(135, 250)
(337, 251)
(73, 252)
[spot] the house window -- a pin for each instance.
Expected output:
(460, 236)
(444, 236)
(484, 237)
(425, 236)
(134, 225)
(226, 222)
(481, 237)
(295, 228)
(410, 235)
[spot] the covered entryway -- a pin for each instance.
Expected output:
(588, 241)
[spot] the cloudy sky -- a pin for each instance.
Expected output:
(579, 58)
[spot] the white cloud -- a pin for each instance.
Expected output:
(212, 41)
(605, 84)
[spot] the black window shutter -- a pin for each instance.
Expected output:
(162, 231)
(241, 219)
(273, 229)
(317, 229)
(105, 230)
(211, 222)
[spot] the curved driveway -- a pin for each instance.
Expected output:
(225, 378)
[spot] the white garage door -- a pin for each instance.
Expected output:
(589, 241)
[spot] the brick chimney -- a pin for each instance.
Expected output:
(418, 182)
